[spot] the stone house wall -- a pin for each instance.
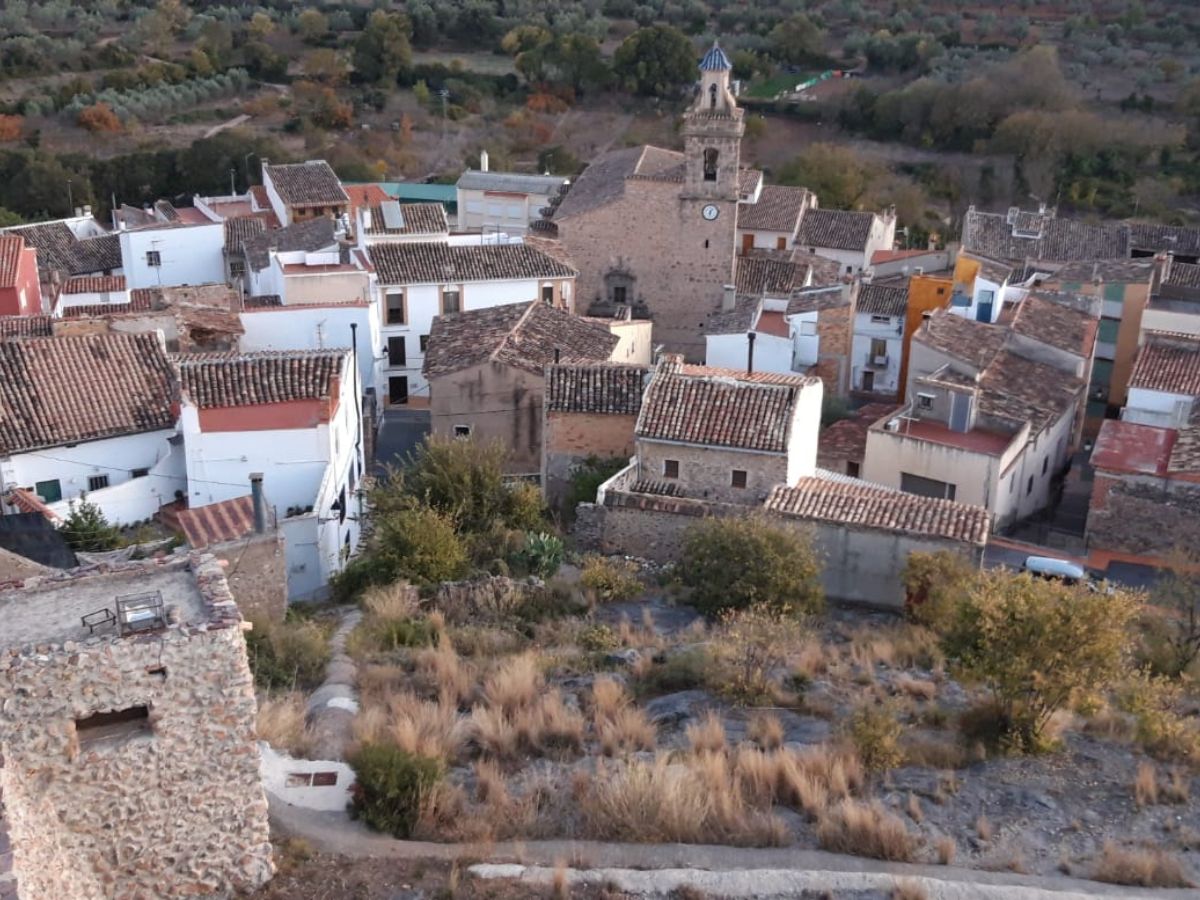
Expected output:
(706, 472)
(569, 438)
(681, 262)
(835, 336)
(172, 809)
(498, 403)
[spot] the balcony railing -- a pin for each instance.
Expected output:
(877, 361)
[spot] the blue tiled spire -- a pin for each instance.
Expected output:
(715, 60)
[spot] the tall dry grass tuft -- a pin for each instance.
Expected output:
(445, 672)
(907, 889)
(282, 722)
(426, 728)
(946, 849)
(626, 730)
(1145, 784)
(707, 735)
(1179, 787)
(865, 829)
(608, 696)
(765, 730)
(515, 684)
(391, 603)
(1140, 867)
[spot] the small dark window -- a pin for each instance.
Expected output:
(1045, 464)
(119, 724)
(49, 491)
(153, 258)
(97, 482)
(925, 401)
(940, 291)
(397, 352)
(451, 300)
(738, 478)
(1029, 486)
(398, 389)
(298, 779)
(139, 473)
(852, 469)
(424, 342)
(712, 96)
(618, 293)
(324, 779)
(341, 506)
(548, 293)
(462, 431)
(711, 155)
(395, 308)
(670, 468)
(706, 243)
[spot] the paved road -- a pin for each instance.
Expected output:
(402, 431)
(1127, 574)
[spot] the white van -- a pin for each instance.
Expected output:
(1054, 569)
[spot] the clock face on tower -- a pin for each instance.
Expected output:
(710, 212)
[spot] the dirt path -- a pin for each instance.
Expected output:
(232, 123)
(723, 871)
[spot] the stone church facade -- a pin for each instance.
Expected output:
(655, 229)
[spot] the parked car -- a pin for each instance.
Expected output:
(1054, 569)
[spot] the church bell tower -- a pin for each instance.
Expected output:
(712, 133)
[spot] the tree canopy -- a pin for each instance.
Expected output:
(655, 61)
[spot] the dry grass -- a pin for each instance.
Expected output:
(1178, 787)
(627, 730)
(765, 730)
(561, 885)
(946, 849)
(444, 671)
(909, 890)
(608, 696)
(934, 752)
(707, 735)
(541, 725)
(515, 685)
(917, 688)
(282, 723)
(426, 728)
(1141, 867)
(661, 802)
(1145, 784)
(983, 828)
(391, 603)
(913, 808)
(865, 829)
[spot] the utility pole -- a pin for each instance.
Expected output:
(70, 200)
(232, 184)
(445, 95)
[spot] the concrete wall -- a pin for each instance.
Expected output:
(324, 288)
(731, 351)
(139, 499)
(290, 780)
(177, 810)
(194, 254)
(1157, 408)
(1171, 320)
(680, 261)
(91, 298)
(570, 438)
(496, 402)
(889, 454)
(491, 210)
(806, 344)
(635, 341)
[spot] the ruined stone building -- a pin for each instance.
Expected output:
(127, 734)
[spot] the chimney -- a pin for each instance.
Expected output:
(483, 160)
(556, 355)
(750, 352)
(260, 507)
(366, 218)
(729, 298)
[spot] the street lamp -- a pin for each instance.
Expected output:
(70, 200)
(246, 164)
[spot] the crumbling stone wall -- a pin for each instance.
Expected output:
(173, 809)
(257, 575)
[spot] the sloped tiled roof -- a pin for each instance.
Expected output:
(836, 229)
(1169, 363)
(1021, 390)
(510, 182)
(846, 439)
(976, 343)
(11, 246)
(883, 299)
(862, 505)
(435, 263)
(312, 183)
(1181, 240)
(1034, 236)
(59, 249)
(252, 379)
(603, 181)
(738, 320)
(139, 302)
(64, 390)
(365, 195)
(1184, 275)
(764, 275)
(817, 300)
(94, 284)
(419, 218)
(25, 326)
(1042, 318)
(241, 229)
(778, 209)
(217, 523)
(310, 235)
(715, 60)
(1185, 455)
(524, 335)
(601, 388)
(1110, 271)
(719, 407)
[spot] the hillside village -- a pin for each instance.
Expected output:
(656, 505)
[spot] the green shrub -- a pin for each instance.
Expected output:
(875, 731)
(551, 601)
(542, 554)
(681, 671)
(86, 528)
(934, 585)
(753, 646)
(289, 655)
(588, 477)
(391, 787)
(610, 579)
(735, 563)
(1153, 700)
(599, 638)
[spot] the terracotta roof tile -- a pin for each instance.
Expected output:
(837, 229)
(59, 249)
(1169, 363)
(1141, 518)
(310, 235)
(975, 343)
(764, 275)
(25, 326)
(601, 388)
(709, 406)
(1058, 321)
(882, 299)
(11, 246)
(419, 218)
(846, 439)
(1020, 390)
(241, 229)
(138, 303)
(365, 195)
(1181, 240)
(217, 523)
(817, 299)
(1184, 275)
(436, 263)
(65, 390)
(1185, 455)
(94, 284)
(525, 335)
(312, 183)
(1041, 236)
(862, 505)
(778, 208)
(1112, 271)
(252, 379)
(738, 320)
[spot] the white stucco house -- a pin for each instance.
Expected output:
(750, 334)
(981, 287)
(1164, 388)
(90, 291)
(770, 219)
(298, 192)
(502, 201)
(877, 348)
(849, 237)
(185, 251)
(89, 414)
(293, 417)
(418, 281)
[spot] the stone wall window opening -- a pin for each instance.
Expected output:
(462, 431)
(618, 293)
(97, 482)
(114, 727)
(396, 310)
(548, 294)
(711, 156)
(670, 468)
(618, 286)
(451, 300)
(737, 478)
(712, 96)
